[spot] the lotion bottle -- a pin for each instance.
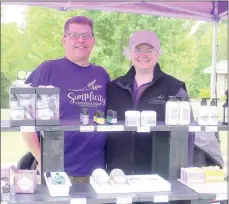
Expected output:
(203, 113)
(213, 113)
(185, 111)
(172, 111)
(225, 110)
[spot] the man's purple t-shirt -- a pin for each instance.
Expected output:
(79, 87)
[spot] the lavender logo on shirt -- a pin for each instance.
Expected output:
(157, 100)
(87, 97)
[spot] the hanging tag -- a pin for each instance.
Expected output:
(117, 128)
(143, 129)
(211, 129)
(103, 128)
(194, 128)
(87, 128)
(161, 199)
(78, 201)
(27, 129)
(124, 200)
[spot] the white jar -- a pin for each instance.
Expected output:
(148, 118)
(172, 111)
(132, 118)
(203, 113)
(185, 111)
(213, 117)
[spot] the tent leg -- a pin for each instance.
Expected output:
(214, 55)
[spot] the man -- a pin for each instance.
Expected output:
(81, 84)
(144, 87)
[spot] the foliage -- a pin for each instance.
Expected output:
(205, 93)
(185, 55)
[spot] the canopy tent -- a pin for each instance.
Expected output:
(202, 10)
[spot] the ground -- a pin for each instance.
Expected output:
(13, 147)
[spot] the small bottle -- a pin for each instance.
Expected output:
(13, 102)
(225, 110)
(185, 111)
(213, 113)
(100, 118)
(111, 117)
(172, 111)
(85, 117)
(95, 116)
(203, 113)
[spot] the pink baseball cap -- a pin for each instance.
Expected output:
(144, 36)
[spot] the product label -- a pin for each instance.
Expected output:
(161, 199)
(87, 128)
(226, 115)
(24, 183)
(78, 201)
(124, 200)
(103, 128)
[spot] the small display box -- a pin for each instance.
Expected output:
(47, 106)
(22, 106)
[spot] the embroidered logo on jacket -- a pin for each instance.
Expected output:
(157, 100)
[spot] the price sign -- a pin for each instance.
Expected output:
(27, 129)
(117, 128)
(87, 128)
(103, 128)
(194, 128)
(161, 199)
(143, 129)
(211, 129)
(124, 200)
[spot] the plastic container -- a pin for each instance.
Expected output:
(172, 111)
(213, 116)
(57, 190)
(185, 111)
(148, 118)
(225, 110)
(132, 118)
(22, 106)
(47, 106)
(203, 113)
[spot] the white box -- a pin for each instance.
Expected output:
(60, 190)
(135, 184)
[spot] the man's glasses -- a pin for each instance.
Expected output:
(76, 36)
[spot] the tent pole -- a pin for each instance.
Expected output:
(214, 55)
(214, 52)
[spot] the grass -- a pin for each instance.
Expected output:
(13, 146)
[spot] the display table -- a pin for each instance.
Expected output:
(179, 193)
(174, 143)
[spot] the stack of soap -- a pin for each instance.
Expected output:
(201, 175)
(192, 175)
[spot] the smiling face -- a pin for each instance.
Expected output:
(78, 42)
(144, 57)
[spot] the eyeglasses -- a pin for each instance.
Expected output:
(148, 52)
(76, 36)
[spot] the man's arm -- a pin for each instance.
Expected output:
(37, 78)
